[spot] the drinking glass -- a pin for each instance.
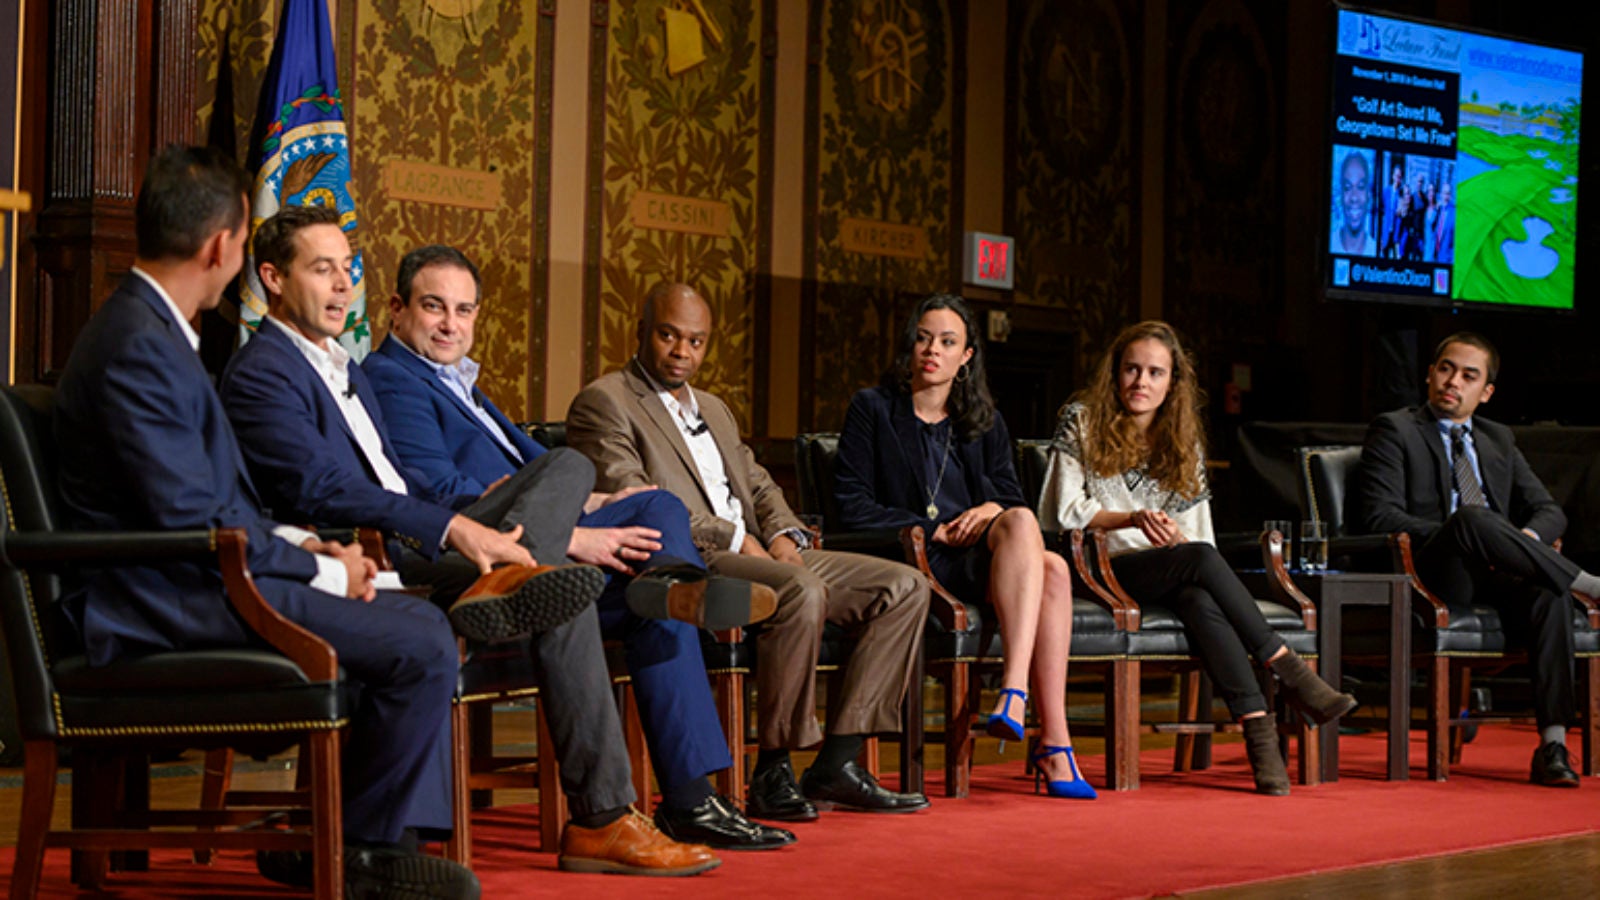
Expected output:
(1313, 550)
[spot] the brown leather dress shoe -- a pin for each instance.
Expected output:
(514, 601)
(688, 594)
(631, 846)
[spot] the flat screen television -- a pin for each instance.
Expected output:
(1453, 166)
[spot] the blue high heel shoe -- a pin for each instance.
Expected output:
(1076, 789)
(1000, 724)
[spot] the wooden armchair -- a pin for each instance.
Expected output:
(111, 717)
(1451, 638)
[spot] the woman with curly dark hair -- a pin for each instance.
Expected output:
(1129, 457)
(927, 447)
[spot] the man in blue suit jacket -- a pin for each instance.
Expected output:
(460, 441)
(145, 445)
(317, 440)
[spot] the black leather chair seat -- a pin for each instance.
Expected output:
(1094, 635)
(1584, 638)
(1161, 634)
(1472, 629)
(239, 689)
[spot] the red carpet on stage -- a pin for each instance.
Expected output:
(1178, 832)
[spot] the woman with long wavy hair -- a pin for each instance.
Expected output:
(927, 447)
(1129, 457)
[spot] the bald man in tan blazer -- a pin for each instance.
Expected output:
(645, 425)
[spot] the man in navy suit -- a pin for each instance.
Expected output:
(305, 439)
(447, 429)
(145, 445)
(1482, 523)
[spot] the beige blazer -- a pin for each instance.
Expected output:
(620, 424)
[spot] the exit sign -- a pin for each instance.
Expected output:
(989, 260)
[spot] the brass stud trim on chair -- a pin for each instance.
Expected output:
(162, 730)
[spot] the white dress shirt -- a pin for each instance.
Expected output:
(707, 458)
(332, 363)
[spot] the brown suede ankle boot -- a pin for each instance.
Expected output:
(1306, 690)
(1261, 746)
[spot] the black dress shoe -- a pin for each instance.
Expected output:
(775, 795)
(719, 824)
(378, 873)
(852, 787)
(1552, 767)
(688, 594)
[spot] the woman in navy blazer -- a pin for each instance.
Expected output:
(928, 448)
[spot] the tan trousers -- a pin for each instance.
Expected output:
(882, 604)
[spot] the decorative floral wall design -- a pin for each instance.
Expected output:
(879, 149)
(681, 105)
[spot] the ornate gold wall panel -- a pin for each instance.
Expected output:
(459, 86)
(454, 85)
(1072, 180)
(882, 147)
(674, 193)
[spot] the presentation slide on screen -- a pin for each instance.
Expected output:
(1455, 164)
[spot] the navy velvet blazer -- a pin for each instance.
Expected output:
(1404, 482)
(878, 476)
(144, 445)
(305, 457)
(437, 434)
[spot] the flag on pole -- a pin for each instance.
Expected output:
(301, 156)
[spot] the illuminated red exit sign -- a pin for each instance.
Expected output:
(990, 260)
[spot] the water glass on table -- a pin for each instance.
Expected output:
(1313, 547)
(1284, 527)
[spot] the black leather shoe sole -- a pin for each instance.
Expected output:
(546, 601)
(1567, 779)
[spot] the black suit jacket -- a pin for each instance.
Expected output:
(878, 476)
(1404, 482)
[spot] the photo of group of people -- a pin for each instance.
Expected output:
(1411, 217)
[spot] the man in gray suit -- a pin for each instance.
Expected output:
(645, 425)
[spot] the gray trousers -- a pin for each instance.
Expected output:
(546, 498)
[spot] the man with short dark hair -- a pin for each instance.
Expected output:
(316, 439)
(448, 430)
(145, 445)
(646, 425)
(1482, 525)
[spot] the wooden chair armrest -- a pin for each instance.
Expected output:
(1424, 602)
(375, 548)
(1282, 587)
(945, 608)
(311, 653)
(1098, 578)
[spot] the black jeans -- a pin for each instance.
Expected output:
(1224, 624)
(1479, 556)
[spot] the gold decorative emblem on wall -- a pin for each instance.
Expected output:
(892, 34)
(454, 10)
(687, 24)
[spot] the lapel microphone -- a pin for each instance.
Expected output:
(700, 429)
(350, 390)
